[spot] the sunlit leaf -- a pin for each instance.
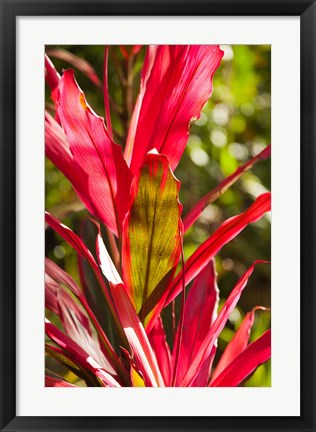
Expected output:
(199, 314)
(176, 83)
(157, 338)
(237, 345)
(218, 325)
(94, 154)
(241, 367)
(75, 241)
(226, 232)
(78, 319)
(151, 239)
(141, 350)
(80, 356)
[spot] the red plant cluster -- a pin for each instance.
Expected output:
(134, 194)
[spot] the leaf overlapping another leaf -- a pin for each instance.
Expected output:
(135, 201)
(151, 238)
(226, 232)
(176, 83)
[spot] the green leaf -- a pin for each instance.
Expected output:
(151, 239)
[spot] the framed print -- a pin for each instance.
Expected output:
(156, 139)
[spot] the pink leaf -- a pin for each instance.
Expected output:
(218, 325)
(79, 355)
(75, 241)
(55, 272)
(76, 317)
(53, 301)
(147, 66)
(238, 343)
(51, 289)
(52, 78)
(203, 375)
(77, 327)
(71, 238)
(157, 339)
(78, 62)
(193, 214)
(58, 151)
(107, 266)
(199, 313)
(141, 351)
(108, 177)
(226, 232)
(255, 354)
(176, 83)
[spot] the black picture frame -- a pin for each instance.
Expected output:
(10, 9)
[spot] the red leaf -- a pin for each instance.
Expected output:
(157, 339)
(107, 175)
(52, 77)
(75, 241)
(79, 355)
(105, 261)
(203, 376)
(55, 272)
(51, 289)
(141, 349)
(238, 343)
(193, 214)
(199, 313)
(58, 151)
(208, 343)
(129, 50)
(255, 354)
(226, 232)
(56, 382)
(77, 327)
(147, 66)
(78, 62)
(142, 352)
(176, 83)
(71, 238)
(76, 317)
(53, 299)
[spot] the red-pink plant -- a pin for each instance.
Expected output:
(135, 196)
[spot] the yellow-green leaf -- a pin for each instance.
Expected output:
(151, 239)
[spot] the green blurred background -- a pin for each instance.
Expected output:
(234, 126)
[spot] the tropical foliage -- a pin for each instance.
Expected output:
(142, 310)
